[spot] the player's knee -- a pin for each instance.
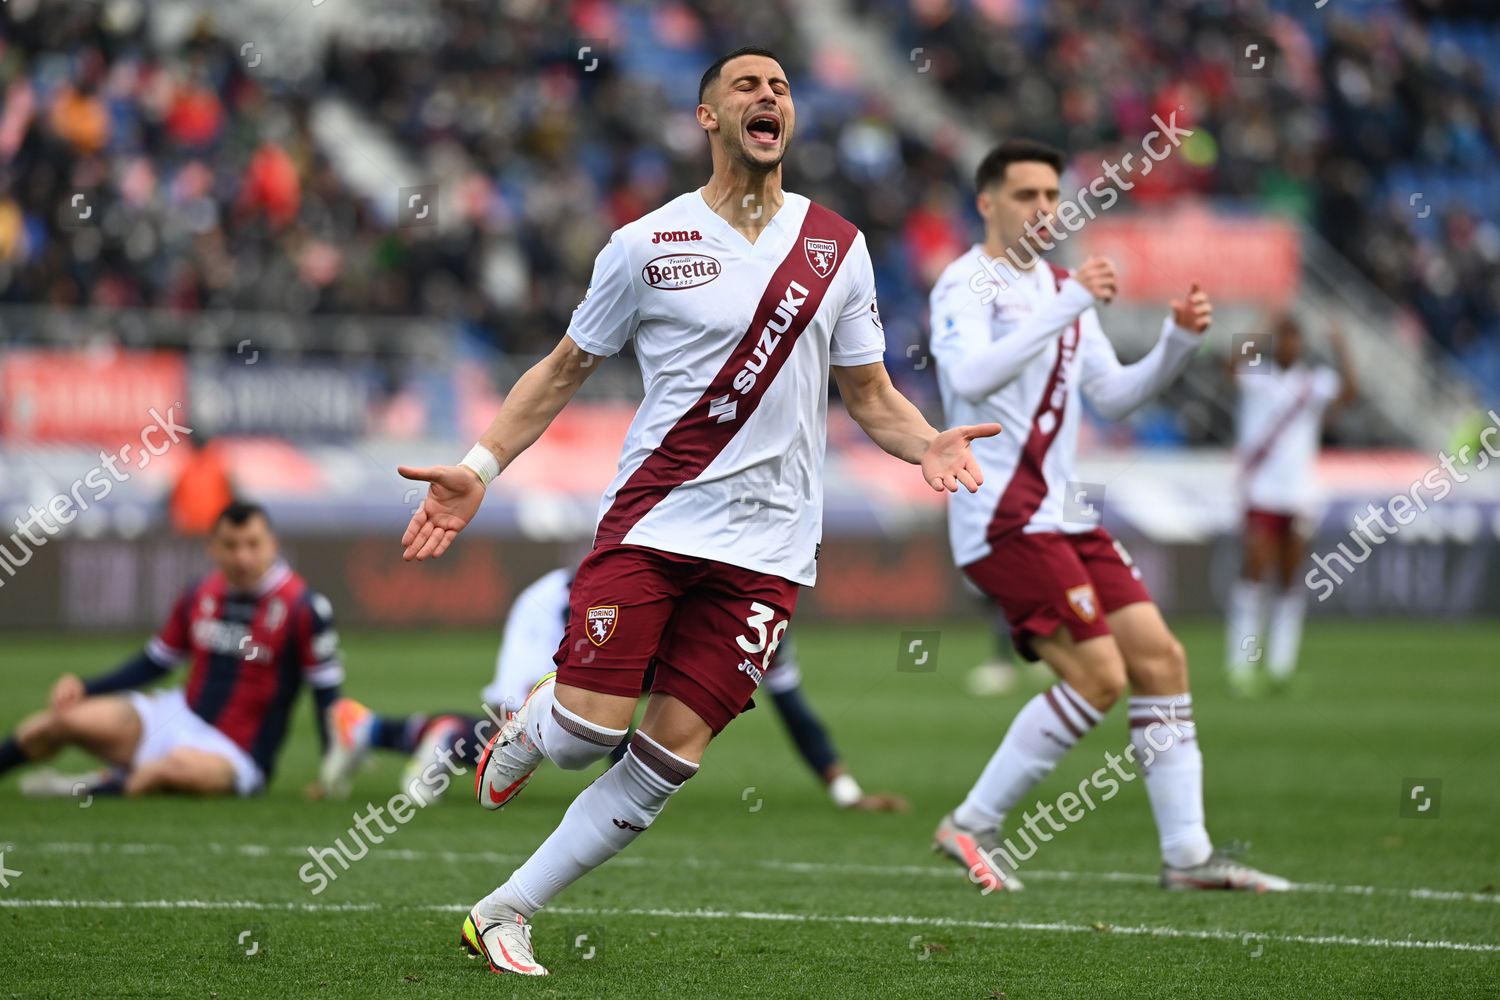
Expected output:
(1108, 685)
(69, 724)
(1163, 668)
(1104, 680)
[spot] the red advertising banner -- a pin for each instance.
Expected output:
(1250, 260)
(84, 397)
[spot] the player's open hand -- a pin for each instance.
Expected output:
(1196, 313)
(880, 802)
(949, 462)
(1098, 275)
(66, 692)
(451, 502)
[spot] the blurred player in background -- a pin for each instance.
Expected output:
(533, 632)
(1017, 341)
(737, 322)
(203, 487)
(255, 633)
(1283, 401)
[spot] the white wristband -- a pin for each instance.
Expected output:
(484, 463)
(845, 791)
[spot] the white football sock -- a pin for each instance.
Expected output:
(1168, 756)
(1046, 728)
(566, 739)
(604, 818)
(1286, 632)
(1244, 629)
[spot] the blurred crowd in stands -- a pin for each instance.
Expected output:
(187, 177)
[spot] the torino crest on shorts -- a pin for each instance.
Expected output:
(600, 623)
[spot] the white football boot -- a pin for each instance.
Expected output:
(980, 853)
(1222, 871)
(510, 758)
(505, 943)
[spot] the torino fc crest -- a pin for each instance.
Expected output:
(1081, 599)
(600, 623)
(822, 255)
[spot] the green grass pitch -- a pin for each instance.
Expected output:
(751, 884)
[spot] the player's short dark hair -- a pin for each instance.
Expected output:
(712, 73)
(992, 167)
(240, 513)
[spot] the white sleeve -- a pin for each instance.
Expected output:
(1116, 389)
(976, 365)
(1327, 384)
(858, 338)
(533, 631)
(606, 318)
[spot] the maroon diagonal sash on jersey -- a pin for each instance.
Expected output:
(1255, 457)
(1028, 485)
(710, 424)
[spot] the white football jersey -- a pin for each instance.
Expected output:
(1280, 422)
(724, 459)
(1029, 469)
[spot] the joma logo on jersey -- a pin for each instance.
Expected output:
(750, 670)
(676, 236)
(680, 270)
(770, 338)
(599, 623)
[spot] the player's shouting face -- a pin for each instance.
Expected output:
(748, 110)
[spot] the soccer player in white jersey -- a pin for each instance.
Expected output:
(1283, 401)
(1017, 340)
(739, 297)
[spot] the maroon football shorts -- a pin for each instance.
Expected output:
(1050, 580)
(1270, 524)
(709, 628)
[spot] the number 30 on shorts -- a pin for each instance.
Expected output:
(765, 641)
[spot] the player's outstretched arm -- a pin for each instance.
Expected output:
(1348, 379)
(899, 428)
(455, 491)
(137, 672)
(1116, 390)
(976, 364)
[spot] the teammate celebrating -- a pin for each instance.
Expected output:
(1017, 342)
(533, 632)
(1282, 404)
(740, 297)
(255, 631)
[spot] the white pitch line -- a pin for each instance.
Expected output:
(768, 864)
(887, 920)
